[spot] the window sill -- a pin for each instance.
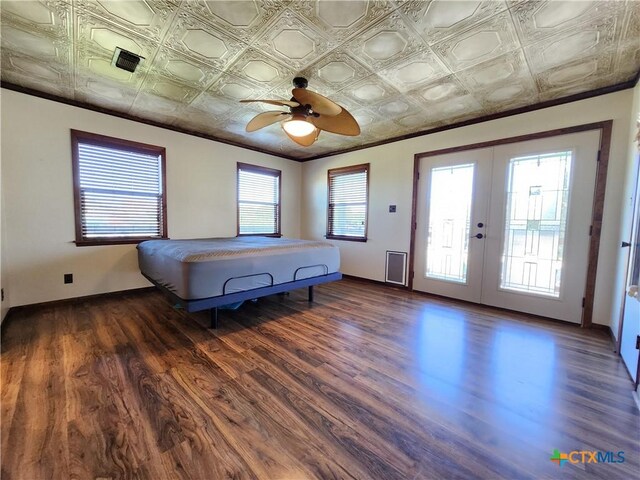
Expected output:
(115, 241)
(346, 239)
(272, 235)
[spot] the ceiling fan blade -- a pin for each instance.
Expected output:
(266, 118)
(305, 141)
(319, 104)
(342, 124)
(283, 103)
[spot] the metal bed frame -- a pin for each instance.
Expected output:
(212, 303)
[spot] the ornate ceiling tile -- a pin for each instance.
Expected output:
(575, 73)
(199, 40)
(216, 106)
(503, 69)
(368, 91)
(345, 101)
(145, 17)
(414, 121)
(410, 73)
(438, 91)
(384, 129)
(536, 20)
(24, 66)
(572, 89)
(94, 34)
(284, 90)
(480, 43)
(157, 108)
(364, 117)
(202, 57)
(234, 89)
(199, 121)
(170, 89)
(504, 96)
(98, 65)
(355, 142)
(454, 108)
(396, 107)
(101, 92)
(184, 69)
(293, 41)
(243, 19)
(596, 37)
(340, 19)
(35, 83)
(335, 70)
(438, 19)
(225, 133)
(386, 43)
(628, 56)
(19, 40)
(235, 126)
(52, 17)
(631, 33)
(627, 63)
(257, 69)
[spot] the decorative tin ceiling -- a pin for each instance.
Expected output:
(399, 67)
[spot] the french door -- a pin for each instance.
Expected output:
(631, 305)
(508, 226)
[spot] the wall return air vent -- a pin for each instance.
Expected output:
(396, 267)
(126, 60)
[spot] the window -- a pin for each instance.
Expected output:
(258, 200)
(348, 203)
(119, 190)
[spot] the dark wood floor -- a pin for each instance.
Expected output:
(368, 382)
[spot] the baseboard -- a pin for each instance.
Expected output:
(524, 315)
(3, 322)
(375, 282)
(6, 314)
(603, 328)
(608, 332)
(66, 301)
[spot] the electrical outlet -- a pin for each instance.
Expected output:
(392, 209)
(68, 278)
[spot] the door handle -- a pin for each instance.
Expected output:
(625, 244)
(478, 235)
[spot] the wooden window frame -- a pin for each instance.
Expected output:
(363, 167)
(78, 137)
(266, 171)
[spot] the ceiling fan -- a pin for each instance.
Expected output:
(309, 113)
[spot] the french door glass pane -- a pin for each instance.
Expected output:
(535, 223)
(449, 223)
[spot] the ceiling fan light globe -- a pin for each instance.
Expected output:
(298, 128)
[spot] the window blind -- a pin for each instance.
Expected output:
(120, 192)
(348, 202)
(258, 200)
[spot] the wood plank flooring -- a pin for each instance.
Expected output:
(368, 382)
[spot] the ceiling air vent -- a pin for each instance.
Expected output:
(126, 60)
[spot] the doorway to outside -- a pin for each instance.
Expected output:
(513, 223)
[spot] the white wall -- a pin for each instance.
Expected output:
(391, 183)
(626, 212)
(37, 228)
(38, 198)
